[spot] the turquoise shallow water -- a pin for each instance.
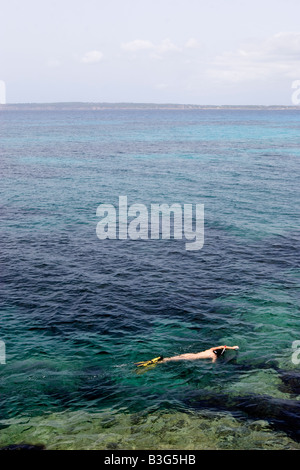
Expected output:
(77, 312)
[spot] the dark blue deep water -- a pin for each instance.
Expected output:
(77, 312)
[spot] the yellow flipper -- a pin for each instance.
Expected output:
(149, 363)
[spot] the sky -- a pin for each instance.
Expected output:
(152, 51)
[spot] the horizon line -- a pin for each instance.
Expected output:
(142, 103)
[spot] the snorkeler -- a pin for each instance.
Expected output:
(212, 353)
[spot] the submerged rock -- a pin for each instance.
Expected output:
(259, 425)
(291, 382)
(81, 430)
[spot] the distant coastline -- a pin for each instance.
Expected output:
(133, 106)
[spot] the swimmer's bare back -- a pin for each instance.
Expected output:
(212, 353)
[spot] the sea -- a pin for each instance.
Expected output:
(77, 312)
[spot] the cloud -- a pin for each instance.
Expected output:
(137, 45)
(276, 56)
(157, 51)
(167, 46)
(283, 45)
(192, 44)
(92, 57)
